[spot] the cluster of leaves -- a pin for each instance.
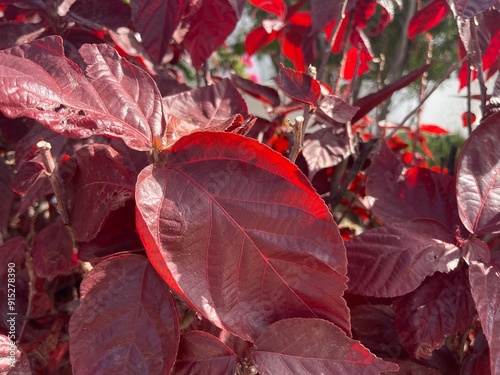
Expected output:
(154, 229)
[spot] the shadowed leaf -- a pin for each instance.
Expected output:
(126, 322)
(201, 353)
(442, 306)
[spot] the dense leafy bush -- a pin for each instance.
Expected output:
(147, 227)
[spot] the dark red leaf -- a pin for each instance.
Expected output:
(339, 43)
(98, 178)
(202, 353)
(418, 193)
(263, 93)
(16, 33)
(13, 253)
(257, 39)
(323, 149)
(470, 8)
(6, 195)
(209, 28)
(117, 235)
(313, 346)
(117, 99)
(292, 46)
(428, 17)
(53, 251)
(98, 15)
(478, 189)
(368, 102)
(251, 225)
(156, 21)
(442, 306)
(126, 322)
(373, 325)
(412, 368)
(484, 278)
(323, 12)
(433, 129)
(479, 362)
(205, 108)
(299, 86)
(12, 360)
(394, 259)
(31, 175)
(277, 7)
(335, 109)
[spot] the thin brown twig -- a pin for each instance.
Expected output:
(478, 64)
(431, 91)
(298, 137)
(328, 50)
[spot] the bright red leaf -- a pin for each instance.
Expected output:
(116, 99)
(394, 259)
(201, 353)
(299, 86)
(126, 321)
(277, 7)
(95, 176)
(428, 17)
(416, 193)
(484, 278)
(313, 346)
(156, 21)
(433, 129)
(251, 226)
(257, 39)
(442, 306)
(478, 183)
(356, 59)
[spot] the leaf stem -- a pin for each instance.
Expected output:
(298, 137)
(424, 99)
(328, 50)
(478, 64)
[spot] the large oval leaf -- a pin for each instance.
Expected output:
(394, 259)
(313, 346)
(240, 229)
(118, 99)
(126, 322)
(478, 179)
